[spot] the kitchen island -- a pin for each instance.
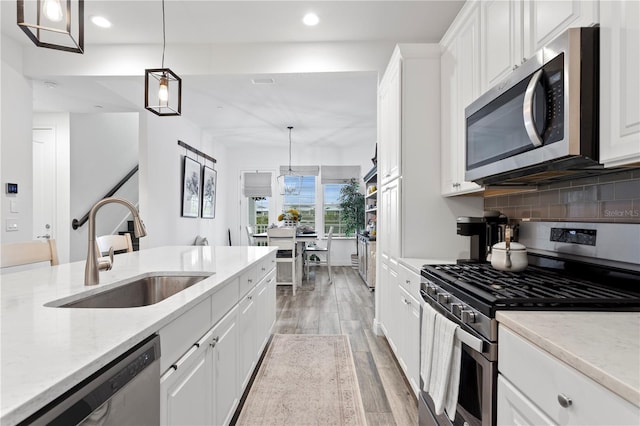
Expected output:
(45, 351)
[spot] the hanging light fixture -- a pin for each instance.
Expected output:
(289, 182)
(162, 87)
(52, 23)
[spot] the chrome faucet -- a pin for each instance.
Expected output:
(92, 268)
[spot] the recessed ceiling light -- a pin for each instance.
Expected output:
(101, 21)
(310, 19)
(263, 81)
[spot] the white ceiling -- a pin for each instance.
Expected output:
(330, 107)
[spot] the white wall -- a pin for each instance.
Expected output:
(16, 133)
(161, 183)
(104, 148)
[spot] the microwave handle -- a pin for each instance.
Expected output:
(527, 110)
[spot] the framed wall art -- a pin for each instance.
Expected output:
(209, 189)
(191, 181)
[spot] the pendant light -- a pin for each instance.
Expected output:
(289, 182)
(162, 87)
(54, 24)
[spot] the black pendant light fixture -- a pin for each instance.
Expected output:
(54, 24)
(162, 87)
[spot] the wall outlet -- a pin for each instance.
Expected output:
(12, 225)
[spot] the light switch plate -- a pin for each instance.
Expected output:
(13, 206)
(12, 225)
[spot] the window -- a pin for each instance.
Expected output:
(332, 210)
(305, 202)
(259, 213)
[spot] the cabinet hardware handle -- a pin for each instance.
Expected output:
(214, 341)
(407, 281)
(406, 302)
(250, 280)
(564, 400)
(250, 297)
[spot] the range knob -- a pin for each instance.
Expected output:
(431, 290)
(456, 309)
(468, 317)
(443, 298)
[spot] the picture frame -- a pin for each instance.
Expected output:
(209, 190)
(191, 183)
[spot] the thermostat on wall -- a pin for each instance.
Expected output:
(12, 188)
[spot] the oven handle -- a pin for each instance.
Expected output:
(527, 109)
(469, 340)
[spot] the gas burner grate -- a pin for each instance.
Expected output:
(535, 287)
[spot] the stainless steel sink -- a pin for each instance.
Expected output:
(144, 291)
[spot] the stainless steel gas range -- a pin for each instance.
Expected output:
(471, 294)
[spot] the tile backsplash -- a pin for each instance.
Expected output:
(609, 198)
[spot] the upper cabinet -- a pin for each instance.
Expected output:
(543, 20)
(502, 40)
(619, 88)
(460, 85)
(389, 120)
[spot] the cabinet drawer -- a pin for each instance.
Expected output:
(248, 280)
(265, 266)
(544, 379)
(224, 299)
(410, 281)
(177, 337)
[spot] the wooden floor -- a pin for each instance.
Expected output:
(347, 307)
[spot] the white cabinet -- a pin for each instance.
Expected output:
(531, 377)
(185, 390)
(619, 87)
(224, 360)
(502, 40)
(544, 20)
(389, 121)
(409, 339)
(248, 338)
(389, 220)
(204, 377)
(460, 85)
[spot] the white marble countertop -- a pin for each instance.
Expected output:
(415, 264)
(46, 350)
(604, 346)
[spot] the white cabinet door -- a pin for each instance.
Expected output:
(224, 361)
(265, 304)
(513, 408)
(389, 94)
(502, 38)
(544, 20)
(619, 87)
(460, 74)
(410, 346)
(185, 391)
(248, 346)
(389, 220)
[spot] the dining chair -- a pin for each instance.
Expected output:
(24, 253)
(288, 253)
(250, 232)
(325, 252)
(119, 243)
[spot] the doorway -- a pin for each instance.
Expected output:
(44, 187)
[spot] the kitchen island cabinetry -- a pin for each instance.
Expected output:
(556, 368)
(619, 87)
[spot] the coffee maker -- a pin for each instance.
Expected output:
(476, 228)
(484, 232)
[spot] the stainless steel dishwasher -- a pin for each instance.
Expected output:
(125, 392)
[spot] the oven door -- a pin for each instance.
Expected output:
(476, 394)
(477, 390)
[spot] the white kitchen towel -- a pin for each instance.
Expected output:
(443, 375)
(426, 343)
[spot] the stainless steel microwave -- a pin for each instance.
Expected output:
(541, 122)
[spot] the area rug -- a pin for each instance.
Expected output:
(305, 380)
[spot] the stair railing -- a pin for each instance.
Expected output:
(75, 224)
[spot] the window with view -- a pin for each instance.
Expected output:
(332, 210)
(305, 202)
(259, 213)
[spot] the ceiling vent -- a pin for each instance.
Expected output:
(263, 81)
